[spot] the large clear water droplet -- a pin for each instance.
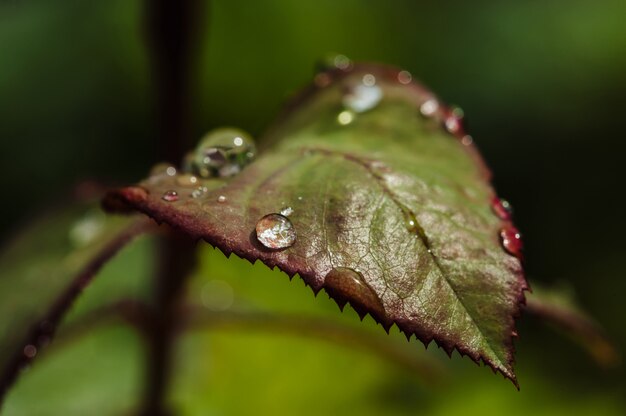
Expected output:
(347, 285)
(512, 240)
(223, 152)
(364, 96)
(275, 231)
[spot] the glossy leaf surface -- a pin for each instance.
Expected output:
(391, 207)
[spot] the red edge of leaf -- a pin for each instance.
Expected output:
(137, 198)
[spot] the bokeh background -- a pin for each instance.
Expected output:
(543, 86)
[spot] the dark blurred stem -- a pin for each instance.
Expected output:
(174, 30)
(173, 36)
(177, 255)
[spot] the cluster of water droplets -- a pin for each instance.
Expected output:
(510, 237)
(222, 152)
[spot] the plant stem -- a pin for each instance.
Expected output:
(173, 34)
(177, 260)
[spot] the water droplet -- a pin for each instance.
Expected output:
(512, 240)
(405, 77)
(334, 61)
(467, 140)
(454, 120)
(170, 196)
(430, 107)
(221, 198)
(30, 351)
(364, 96)
(199, 191)
(342, 62)
(163, 169)
(275, 231)
(344, 284)
(369, 80)
(217, 295)
(345, 117)
(187, 179)
(223, 152)
(502, 208)
(287, 211)
(299, 198)
(87, 229)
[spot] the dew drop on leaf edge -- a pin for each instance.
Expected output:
(502, 208)
(511, 240)
(345, 284)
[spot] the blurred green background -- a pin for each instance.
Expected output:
(542, 84)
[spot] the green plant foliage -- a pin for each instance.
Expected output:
(392, 213)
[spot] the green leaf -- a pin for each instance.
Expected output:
(392, 213)
(44, 269)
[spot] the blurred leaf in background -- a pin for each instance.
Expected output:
(541, 83)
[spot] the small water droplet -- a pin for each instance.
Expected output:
(299, 198)
(467, 140)
(163, 169)
(364, 96)
(187, 179)
(454, 120)
(221, 198)
(30, 351)
(287, 211)
(334, 61)
(345, 284)
(345, 117)
(502, 208)
(369, 80)
(511, 240)
(342, 62)
(275, 231)
(223, 152)
(430, 107)
(405, 77)
(199, 191)
(170, 196)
